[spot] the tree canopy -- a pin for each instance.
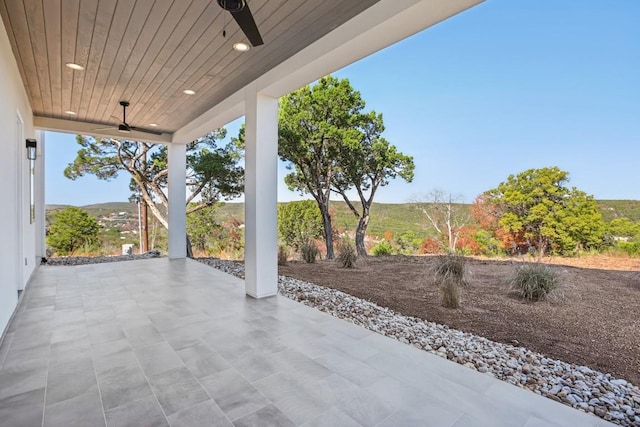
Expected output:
(331, 144)
(213, 172)
(71, 229)
(535, 208)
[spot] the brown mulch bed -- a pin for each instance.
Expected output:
(596, 323)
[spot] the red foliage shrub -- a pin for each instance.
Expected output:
(430, 246)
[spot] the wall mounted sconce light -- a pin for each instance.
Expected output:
(32, 145)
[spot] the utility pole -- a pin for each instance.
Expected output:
(144, 223)
(139, 203)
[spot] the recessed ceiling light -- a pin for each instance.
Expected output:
(74, 66)
(153, 125)
(189, 92)
(241, 47)
(71, 113)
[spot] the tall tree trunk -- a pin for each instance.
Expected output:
(189, 248)
(361, 232)
(144, 226)
(328, 232)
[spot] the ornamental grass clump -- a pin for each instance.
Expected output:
(309, 251)
(534, 282)
(449, 274)
(346, 255)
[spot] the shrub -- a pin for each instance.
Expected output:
(534, 282)
(72, 229)
(449, 272)
(346, 255)
(298, 222)
(382, 249)
(430, 246)
(451, 265)
(283, 254)
(630, 248)
(309, 251)
(450, 290)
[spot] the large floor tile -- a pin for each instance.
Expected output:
(23, 378)
(144, 412)
(122, 384)
(69, 380)
(234, 394)
(81, 411)
(206, 413)
(22, 410)
(156, 358)
(269, 416)
(177, 390)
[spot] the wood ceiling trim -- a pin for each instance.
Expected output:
(263, 60)
(35, 20)
(69, 15)
(12, 40)
(148, 52)
(99, 39)
(208, 72)
(127, 36)
(167, 13)
(176, 72)
(51, 10)
(84, 36)
(155, 72)
(235, 61)
(18, 21)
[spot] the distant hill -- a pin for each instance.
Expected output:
(620, 209)
(399, 218)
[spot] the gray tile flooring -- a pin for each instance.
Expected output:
(160, 342)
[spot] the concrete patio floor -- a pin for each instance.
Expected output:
(159, 342)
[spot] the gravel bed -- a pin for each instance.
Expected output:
(81, 260)
(612, 399)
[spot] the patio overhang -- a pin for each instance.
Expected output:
(149, 53)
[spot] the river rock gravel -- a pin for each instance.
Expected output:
(81, 260)
(610, 398)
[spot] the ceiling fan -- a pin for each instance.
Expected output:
(239, 9)
(125, 127)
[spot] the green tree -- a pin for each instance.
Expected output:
(202, 225)
(213, 172)
(537, 205)
(330, 144)
(299, 222)
(365, 162)
(624, 227)
(71, 229)
(313, 121)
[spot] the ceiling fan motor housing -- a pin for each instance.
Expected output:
(232, 5)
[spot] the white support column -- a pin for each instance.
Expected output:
(177, 164)
(261, 194)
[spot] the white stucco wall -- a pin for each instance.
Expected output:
(17, 235)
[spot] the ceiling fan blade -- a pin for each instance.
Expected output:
(109, 128)
(247, 24)
(153, 132)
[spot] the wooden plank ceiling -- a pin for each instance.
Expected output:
(148, 52)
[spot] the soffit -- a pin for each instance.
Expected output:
(148, 52)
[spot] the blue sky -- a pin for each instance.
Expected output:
(496, 90)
